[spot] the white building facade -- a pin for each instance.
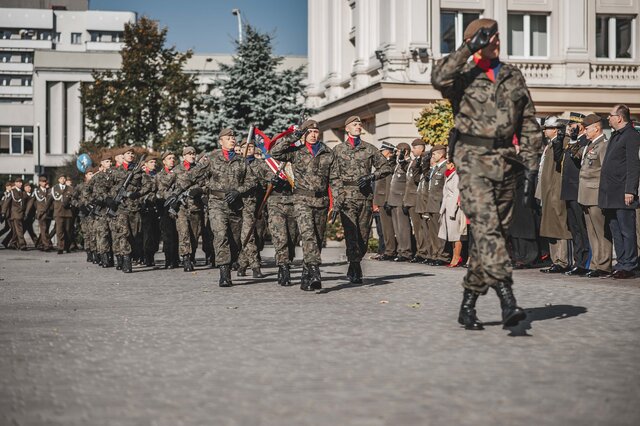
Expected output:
(374, 58)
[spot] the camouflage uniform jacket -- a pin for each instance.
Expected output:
(99, 189)
(355, 162)
(165, 181)
(119, 175)
(312, 175)
(186, 180)
(486, 109)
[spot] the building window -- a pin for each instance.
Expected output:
(528, 35)
(452, 25)
(76, 38)
(614, 36)
(16, 140)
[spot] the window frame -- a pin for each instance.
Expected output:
(526, 29)
(79, 42)
(21, 134)
(611, 47)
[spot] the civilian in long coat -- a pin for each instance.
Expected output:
(553, 224)
(452, 220)
(618, 194)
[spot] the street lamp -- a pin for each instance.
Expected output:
(236, 12)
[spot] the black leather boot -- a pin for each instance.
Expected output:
(225, 276)
(110, 257)
(350, 272)
(104, 262)
(96, 258)
(512, 314)
(357, 272)
(315, 281)
(257, 273)
(284, 276)
(89, 256)
(119, 262)
(149, 259)
(242, 271)
(186, 262)
(304, 279)
(126, 264)
(467, 316)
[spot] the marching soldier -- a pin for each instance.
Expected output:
(165, 181)
(62, 214)
(100, 188)
(189, 217)
(380, 197)
(395, 200)
(314, 169)
(149, 211)
(79, 202)
(30, 213)
(355, 161)
(491, 104)
(43, 207)
(15, 210)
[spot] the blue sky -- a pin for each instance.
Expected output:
(207, 26)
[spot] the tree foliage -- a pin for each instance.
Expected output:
(435, 122)
(149, 101)
(252, 91)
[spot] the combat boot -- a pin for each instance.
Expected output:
(89, 256)
(225, 276)
(356, 272)
(257, 273)
(512, 314)
(127, 268)
(350, 272)
(149, 260)
(110, 259)
(242, 271)
(104, 262)
(119, 262)
(96, 258)
(315, 281)
(304, 279)
(467, 316)
(284, 276)
(186, 262)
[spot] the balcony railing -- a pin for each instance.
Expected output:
(16, 91)
(25, 44)
(18, 67)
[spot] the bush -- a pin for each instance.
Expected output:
(435, 122)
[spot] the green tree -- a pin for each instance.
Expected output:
(149, 101)
(252, 91)
(435, 122)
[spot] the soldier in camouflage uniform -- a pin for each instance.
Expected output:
(492, 108)
(188, 203)
(127, 223)
(314, 169)
(356, 159)
(249, 256)
(165, 180)
(80, 203)
(149, 209)
(99, 188)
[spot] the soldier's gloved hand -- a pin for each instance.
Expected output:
(481, 38)
(195, 191)
(387, 208)
(530, 178)
(1, 217)
(401, 156)
(365, 181)
(231, 196)
(405, 210)
(111, 203)
(298, 134)
(419, 162)
(133, 195)
(171, 201)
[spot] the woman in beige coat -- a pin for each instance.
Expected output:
(453, 222)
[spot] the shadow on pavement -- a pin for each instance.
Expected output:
(371, 282)
(541, 314)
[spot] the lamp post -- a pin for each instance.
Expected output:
(236, 12)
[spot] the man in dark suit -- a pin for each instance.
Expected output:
(618, 194)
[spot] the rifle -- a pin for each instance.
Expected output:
(122, 191)
(263, 204)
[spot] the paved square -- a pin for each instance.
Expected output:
(81, 345)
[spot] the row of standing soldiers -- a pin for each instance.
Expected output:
(128, 208)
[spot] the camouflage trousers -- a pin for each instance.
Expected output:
(125, 228)
(188, 225)
(102, 229)
(169, 236)
(487, 190)
(283, 228)
(312, 222)
(226, 227)
(248, 257)
(88, 232)
(356, 217)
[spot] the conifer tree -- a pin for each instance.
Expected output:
(253, 91)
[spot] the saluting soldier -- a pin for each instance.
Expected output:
(492, 105)
(61, 194)
(380, 197)
(43, 213)
(395, 200)
(418, 147)
(359, 164)
(314, 170)
(166, 180)
(588, 189)
(434, 181)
